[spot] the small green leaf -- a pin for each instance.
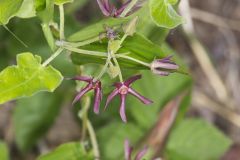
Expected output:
(195, 139)
(33, 116)
(27, 78)
(8, 9)
(163, 13)
(4, 155)
(68, 151)
(45, 10)
(60, 2)
(27, 9)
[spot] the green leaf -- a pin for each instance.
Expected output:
(4, 155)
(163, 13)
(96, 29)
(27, 78)
(8, 9)
(27, 9)
(33, 116)
(112, 145)
(195, 139)
(136, 46)
(68, 151)
(60, 2)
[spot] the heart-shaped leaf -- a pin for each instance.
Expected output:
(8, 9)
(27, 78)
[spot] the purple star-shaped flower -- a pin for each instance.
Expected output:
(129, 149)
(122, 89)
(109, 10)
(164, 66)
(92, 85)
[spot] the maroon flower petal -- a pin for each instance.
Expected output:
(97, 99)
(140, 97)
(82, 78)
(81, 93)
(120, 10)
(110, 97)
(122, 108)
(104, 6)
(161, 73)
(132, 79)
(128, 150)
(140, 154)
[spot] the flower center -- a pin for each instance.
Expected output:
(123, 90)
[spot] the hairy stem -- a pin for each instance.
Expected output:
(83, 114)
(93, 139)
(133, 59)
(87, 52)
(86, 42)
(62, 21)
(120, 72)
(54, 55)
(104, 69)
(48, 36)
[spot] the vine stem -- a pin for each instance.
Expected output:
(93, 139)
(54, 55)
(104, 69)
(128, 8)
(120, 72)
(86, 42)
(87, 127)
(133, 59)
(87, 52)
(62, 21)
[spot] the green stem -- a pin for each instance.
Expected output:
(123, 38)
(93, 139)
(128, 8)
(62, 21)
(133, 59)
(49, 36)
(86, 42)
(54, 55)
(117, 64)
(82, 51)
(83, 114)
(104, 69)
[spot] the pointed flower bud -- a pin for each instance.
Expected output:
(109, 10)
(123, 89)
(130, 28)
(129, 150)
(92, 85)
(164, 67)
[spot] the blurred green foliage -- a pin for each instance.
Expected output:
(33, 116)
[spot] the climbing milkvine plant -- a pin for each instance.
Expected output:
(114, 43)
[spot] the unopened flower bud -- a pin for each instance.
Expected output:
(130, 28)
(164, 66)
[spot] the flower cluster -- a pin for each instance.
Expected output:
(110, 10)
(122, 89)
